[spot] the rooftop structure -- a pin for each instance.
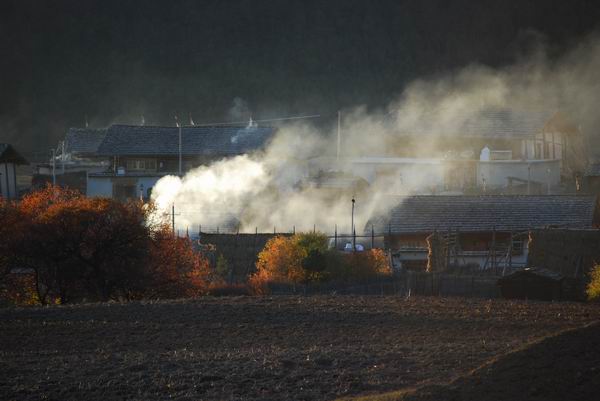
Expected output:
(425, 214)
(130, 140)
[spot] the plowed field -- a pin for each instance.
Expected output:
(251, 348)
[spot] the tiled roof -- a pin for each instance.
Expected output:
(221, 141)
(423, 214)
(488, 123)
(84, 141)
(8, 154)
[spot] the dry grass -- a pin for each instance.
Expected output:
(270, 348)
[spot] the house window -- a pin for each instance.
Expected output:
(517, 246)
(141, 164)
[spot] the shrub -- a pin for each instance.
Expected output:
(593, 287)
(18, 289)
(225, 290)
(304, 258)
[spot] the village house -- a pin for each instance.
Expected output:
(72, 160)
(483, 232)
(137, 157)
(492, 151)
(9, 160)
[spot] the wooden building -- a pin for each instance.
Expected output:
(9, 160)
(484, 232)
(138, 156)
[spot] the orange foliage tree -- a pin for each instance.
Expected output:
(304, 258)
(8, 221)
(177, 270)
(280, 260)
(16, 285)
(100, 249)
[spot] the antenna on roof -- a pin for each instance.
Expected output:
(143, 120)
(192, 123)
(177, 121)
(251, 123)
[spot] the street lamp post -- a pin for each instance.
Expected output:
(352, 228)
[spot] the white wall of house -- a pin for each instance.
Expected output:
(102, 186)
(99, 186)
(8, 181)
(426, 176)
(496, 172)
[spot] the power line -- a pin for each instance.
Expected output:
(260, 121)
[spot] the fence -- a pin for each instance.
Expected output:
(405, 284)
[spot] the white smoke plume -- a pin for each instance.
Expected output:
(271, 189)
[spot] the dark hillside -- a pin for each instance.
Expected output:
(116, 60)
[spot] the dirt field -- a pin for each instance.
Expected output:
(315, 348)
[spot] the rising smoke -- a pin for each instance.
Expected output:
(268, 189)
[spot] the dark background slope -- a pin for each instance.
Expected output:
(116, 60)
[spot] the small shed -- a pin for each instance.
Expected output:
(532, 283)
(591, 179)
(9, 160)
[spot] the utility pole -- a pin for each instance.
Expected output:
(528, 179)
(180, 169)
(53, 166)
(173, 218)
(62, 155)
(339, 137)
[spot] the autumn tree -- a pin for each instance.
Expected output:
(176, 270)
(17, 286)
(280, 260)
(305, 258)
(593, 287)
(8, 221)
(82, 247)
(99, 248)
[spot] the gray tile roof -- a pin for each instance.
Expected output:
(487, 123)
(84, 141)
(8, 154)
(423, 214)
(213, 141)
